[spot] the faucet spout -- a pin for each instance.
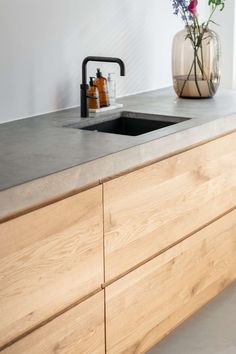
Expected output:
(84, 85)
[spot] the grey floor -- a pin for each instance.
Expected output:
(212, 330)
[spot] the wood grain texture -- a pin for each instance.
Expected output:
(78, 331)
(156, 206)
(49, 259)
(149, 302)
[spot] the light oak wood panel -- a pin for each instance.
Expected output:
(149, 302)
(49, 259)
(78, 331)
(152, 208)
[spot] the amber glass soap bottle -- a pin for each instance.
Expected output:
(101, 83)
(93, 95)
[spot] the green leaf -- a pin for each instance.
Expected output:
(215, 3)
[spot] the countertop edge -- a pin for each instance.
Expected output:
(32, 195)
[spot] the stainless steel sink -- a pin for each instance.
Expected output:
(129, 123)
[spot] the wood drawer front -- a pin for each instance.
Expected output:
(143, 306)
(49, 259)
(154, 207)
(78, 331)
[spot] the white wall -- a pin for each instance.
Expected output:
(43, 43)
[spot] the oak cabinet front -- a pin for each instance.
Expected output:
(80, 330)
(49, 259)
(161, 240)
(146, 304)
(150, 209)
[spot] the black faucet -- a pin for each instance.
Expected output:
(84, 85)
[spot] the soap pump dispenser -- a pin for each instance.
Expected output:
(101, 83)
(93, 95)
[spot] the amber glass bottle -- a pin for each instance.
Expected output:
(93, 95)
(101, 83)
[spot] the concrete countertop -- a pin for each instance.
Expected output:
(41, 160)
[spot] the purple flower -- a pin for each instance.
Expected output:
(179, 5)
(182, 7)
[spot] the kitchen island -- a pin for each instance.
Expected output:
(109, 242)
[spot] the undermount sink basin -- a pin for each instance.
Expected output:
(128, 126)
(129, 123)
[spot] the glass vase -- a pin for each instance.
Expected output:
(195, 62)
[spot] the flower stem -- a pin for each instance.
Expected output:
(195, 73)
(185, 81)
(200, 37)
